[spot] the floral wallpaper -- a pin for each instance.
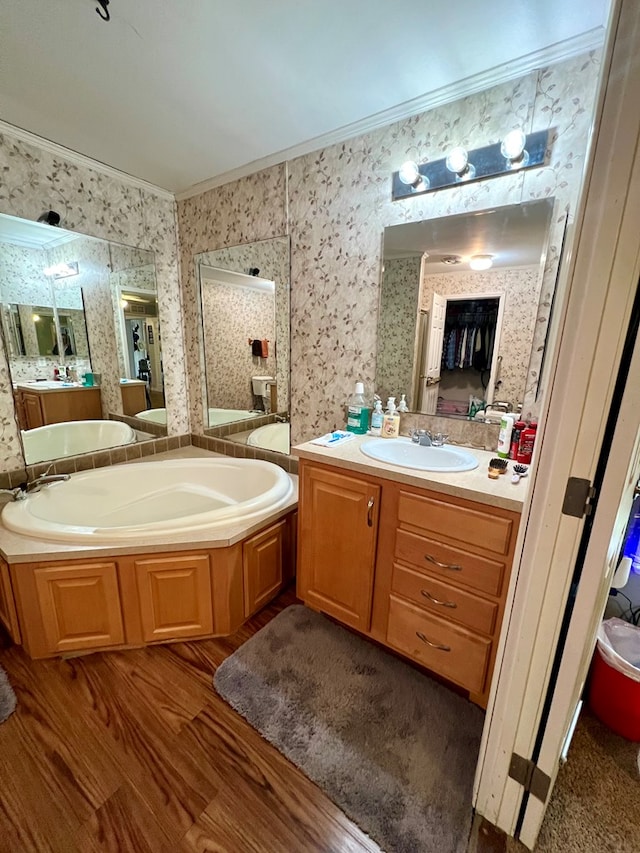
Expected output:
(397, 320)
(231, 316)
(22, 278)
(98, 205)
(339, 202)
(271, 257)
(521, 287)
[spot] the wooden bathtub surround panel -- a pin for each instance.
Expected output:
(337, 544)
(70, 607)
(265, 559)
(413, 524)
(131, 600)
(134, 399)
(456, 520)
(8, 612)
(175, 596)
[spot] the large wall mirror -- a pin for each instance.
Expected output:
(80, 327)
(458, 309)
(244, 302)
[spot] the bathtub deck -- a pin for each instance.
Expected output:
(134, 751)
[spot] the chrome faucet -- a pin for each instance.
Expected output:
(282, 419)
(421, 436)
(43, 480)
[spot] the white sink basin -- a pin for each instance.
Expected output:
(407, 454)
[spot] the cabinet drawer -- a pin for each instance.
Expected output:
(474, 571)
(465, 657)
(480, 529)
(451, 603)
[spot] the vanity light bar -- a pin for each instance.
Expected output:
(476, 165)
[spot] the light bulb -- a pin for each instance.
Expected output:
(458, 161)
(409, 174)
(512, 149)
(35, 318)
(481, 262)
(124, 303)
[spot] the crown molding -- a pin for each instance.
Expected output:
(551, 55)
(83, 160)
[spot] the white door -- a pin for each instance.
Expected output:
(430, 374)
(594, 316)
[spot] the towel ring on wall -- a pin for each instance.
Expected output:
(103, 6)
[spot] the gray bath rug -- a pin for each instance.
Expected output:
(394, 749)
(7, 697)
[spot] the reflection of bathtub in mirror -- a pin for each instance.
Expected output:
(270, 437)
(217, 417)
(71, 438)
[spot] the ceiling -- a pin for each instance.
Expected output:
(179, 93)
(514, 235)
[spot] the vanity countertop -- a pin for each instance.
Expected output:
(16, 548)
(49, 386)
(474, 485)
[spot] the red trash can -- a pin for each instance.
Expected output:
(615, 698)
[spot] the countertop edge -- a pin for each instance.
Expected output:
(423, 480)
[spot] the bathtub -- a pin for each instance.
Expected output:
(270, 437)
(150, 500)
(73, 437)
(216, 416)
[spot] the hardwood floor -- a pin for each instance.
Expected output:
(135, 752)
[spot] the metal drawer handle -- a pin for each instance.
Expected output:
(370, 512)
(442, 648)
(451, 566)
(437, 600)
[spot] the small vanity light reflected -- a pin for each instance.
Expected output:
(481, 262)
(62, 270)
(124, 303)
(409, 174)
(513, 149)
(35, 318)
(458, 162)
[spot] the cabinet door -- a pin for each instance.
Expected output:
(337, 547)
(32, 410)
(264, 558)
(175, 596)
(8, 615)
(79, 606)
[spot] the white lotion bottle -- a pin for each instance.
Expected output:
(504, 437)
(377, 417)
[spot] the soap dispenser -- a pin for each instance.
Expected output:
(377, 417)
(391, 420)
(402, 405)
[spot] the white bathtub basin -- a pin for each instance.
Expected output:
(156, 416)
(270, 437)
(72, 437)
(406, 454)
(228, 416)
(150, 499)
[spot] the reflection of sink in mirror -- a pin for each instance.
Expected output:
(73, 437)
(471, 331)
(270, 437)
(407, 454)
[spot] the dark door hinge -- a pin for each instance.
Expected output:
(529, 775)
(578, 497)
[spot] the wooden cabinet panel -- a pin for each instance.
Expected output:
(32, 410)
(264, 559)
(175, 596)
(445, 600)
(418, 634)
(8, 615)
(79, 606)
(134, 399)
(473, 570)
(337, 550)
(479, 529)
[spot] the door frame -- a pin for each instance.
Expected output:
(601, 272)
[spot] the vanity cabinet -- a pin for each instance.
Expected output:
(134, 397)
(41, 407)
(428, 577)
(337, 545)
(134, 600)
